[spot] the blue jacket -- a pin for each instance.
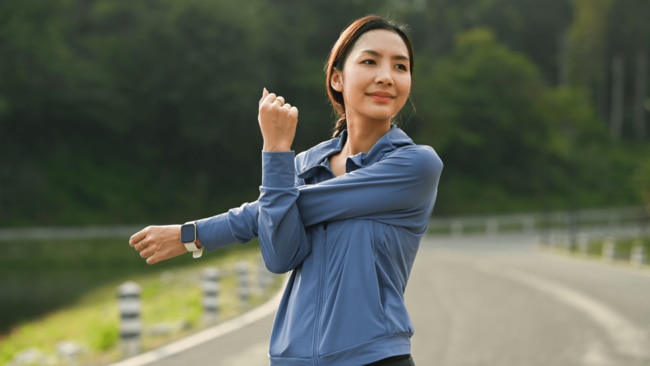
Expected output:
(350, 241)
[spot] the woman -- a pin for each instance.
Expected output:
(346, 216)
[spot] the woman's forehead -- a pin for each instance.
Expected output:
(381, 41)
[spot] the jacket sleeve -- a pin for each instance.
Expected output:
(237, 225)
(394, 189)
(400, 189)
(282, 235)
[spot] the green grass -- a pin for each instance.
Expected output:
(66, 290)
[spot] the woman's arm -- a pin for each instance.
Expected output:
(283, 238)
(399, 190)
(401, 184)
(395, 190)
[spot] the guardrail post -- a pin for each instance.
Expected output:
(130, 325)
(583, 243)
(638, 255)
(210, 287)
(263, 276)
(564, 241)
(244, 282)
(609, 249)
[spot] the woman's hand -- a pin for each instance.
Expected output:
(158, 243)
(278, 122)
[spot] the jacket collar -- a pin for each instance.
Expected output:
(317, 156)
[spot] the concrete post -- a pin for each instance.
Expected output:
(638, 255)
(264, 277)
(210, 286)
(583, 243)
(244, 282)
(130, 325)
(609, 250)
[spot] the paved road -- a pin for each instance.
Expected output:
(502, 302)
(490, 302)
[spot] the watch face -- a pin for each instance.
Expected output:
(187, 233)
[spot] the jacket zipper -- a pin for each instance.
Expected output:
(319, 302)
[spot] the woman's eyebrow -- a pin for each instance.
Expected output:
(378, 54)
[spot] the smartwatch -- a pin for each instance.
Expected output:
(188, 238)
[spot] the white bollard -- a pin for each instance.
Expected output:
(609, 250)
(244, 283)
(638, 255)
(583, 243)
(130, 326)
(211, 288)
(264, 277)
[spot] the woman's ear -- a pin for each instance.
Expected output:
(337, 81)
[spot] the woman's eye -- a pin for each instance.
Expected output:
(401, 67)
(368, 62)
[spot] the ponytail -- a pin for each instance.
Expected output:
(341, 125)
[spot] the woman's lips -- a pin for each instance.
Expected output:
(381, 97)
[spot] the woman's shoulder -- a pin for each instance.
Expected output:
(423, 155)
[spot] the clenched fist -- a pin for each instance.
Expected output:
(278, 121)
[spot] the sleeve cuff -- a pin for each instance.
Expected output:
(278, 170)
(214, 232)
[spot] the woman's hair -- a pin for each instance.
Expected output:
(341, 49)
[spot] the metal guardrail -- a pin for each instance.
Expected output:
(613, 219)
(626, 219)
(71, 232)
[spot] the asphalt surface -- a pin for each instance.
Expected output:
(484, 302)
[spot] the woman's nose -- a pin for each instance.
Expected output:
(384, 76)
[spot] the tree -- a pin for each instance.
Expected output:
(483, 106)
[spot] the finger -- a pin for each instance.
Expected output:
(136, 238)
(268, 100)
(293, 111)
(265, 92)
(280, 99)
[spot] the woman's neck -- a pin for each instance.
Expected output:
(363, 136)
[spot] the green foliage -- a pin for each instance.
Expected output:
(106, 336)
(487, 121)
(122, 112)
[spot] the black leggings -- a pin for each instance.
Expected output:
(402, 360)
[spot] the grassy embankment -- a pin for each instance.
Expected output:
(66, 291)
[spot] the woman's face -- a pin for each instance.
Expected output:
(375, 80)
